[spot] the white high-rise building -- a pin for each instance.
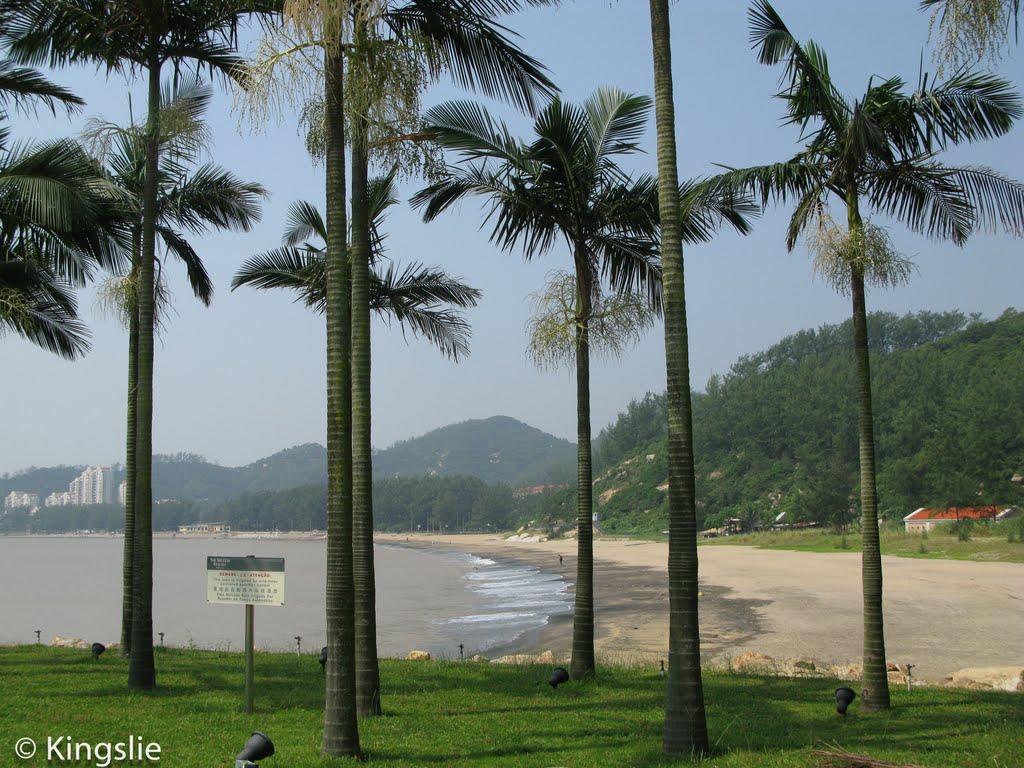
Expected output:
(58, 499)
(94, 486)
(16, 499)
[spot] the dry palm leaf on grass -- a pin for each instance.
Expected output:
(843, 759)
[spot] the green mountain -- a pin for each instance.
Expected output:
(187, 476)
(778, 433)
(495, 450)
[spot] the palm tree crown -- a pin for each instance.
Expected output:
(415, 296)
(882, 148)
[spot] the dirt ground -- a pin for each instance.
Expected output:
(940, 615)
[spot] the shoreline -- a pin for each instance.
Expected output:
(942, 616)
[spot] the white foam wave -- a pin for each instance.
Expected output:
(490, 618)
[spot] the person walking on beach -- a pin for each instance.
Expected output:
(559, 558)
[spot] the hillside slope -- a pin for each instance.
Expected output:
(778, 432)
(496, 450)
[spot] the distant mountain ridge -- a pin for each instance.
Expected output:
(496, 450)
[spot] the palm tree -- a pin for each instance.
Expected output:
(134, 36)
(879, 151)
(566, 186)
(686, 731)
(414, 296)
(208, 197)
(341, 730)
(460, 39)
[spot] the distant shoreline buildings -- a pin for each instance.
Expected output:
(16, 499)
(96, 485)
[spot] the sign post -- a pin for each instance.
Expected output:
(251, 581)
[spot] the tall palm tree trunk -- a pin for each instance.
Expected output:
(875, 695)
(367, 667)
(128, 564)
(141, 669)
(583, 664)
(341, 730)
(685, 721)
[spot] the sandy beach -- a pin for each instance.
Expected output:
(940, 615)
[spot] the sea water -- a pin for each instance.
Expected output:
(427, 599)
(519, 600)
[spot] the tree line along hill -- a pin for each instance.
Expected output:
(776, 434)
(459, 465)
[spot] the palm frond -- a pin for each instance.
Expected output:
(302, 223)
(36, 305)
(776, 181)
(423, 299)
(968, 107)
(474, 49)
(808, 90)
(382, 194)
(926, 196)
(616, 120)
(181, 249)
(213, 197)
(183, 132)
(301, 271)
(26, 86)
(468, 128)
(706, 204)
(998, 200)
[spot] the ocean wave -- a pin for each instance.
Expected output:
(507, 617)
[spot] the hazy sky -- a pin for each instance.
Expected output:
(246, 377)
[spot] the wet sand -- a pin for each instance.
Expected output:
(940, 615)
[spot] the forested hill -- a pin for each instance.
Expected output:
(496, 450)
(779, 431)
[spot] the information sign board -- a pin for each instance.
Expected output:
(246, 580)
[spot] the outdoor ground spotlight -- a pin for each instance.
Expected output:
(323, 659)
(97, 649)
(256, 748)
(558, 677)
(844, 696)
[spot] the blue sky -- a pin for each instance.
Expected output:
(246, 377)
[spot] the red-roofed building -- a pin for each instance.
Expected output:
(925, 519)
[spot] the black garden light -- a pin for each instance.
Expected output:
(844, 697)
(256, 748)
(558, 677)
(98, 649)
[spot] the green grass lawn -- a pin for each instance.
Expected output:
(474, 714)
(984, 544)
